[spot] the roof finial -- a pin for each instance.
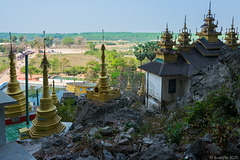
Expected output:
(185, 21)
(209, 6)
(44, 44)
(167, 27)
(233, 21)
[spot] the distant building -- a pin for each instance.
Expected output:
(81, 87)
(168, 76)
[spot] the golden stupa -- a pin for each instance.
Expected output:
(102, 91)
(232, 37)
(14, 90)
(141, 92)
(74, 87)
(47, 121)
(54, 96)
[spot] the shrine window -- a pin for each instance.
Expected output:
(172, 86)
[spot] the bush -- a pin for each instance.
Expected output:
(175, 132)
(68, 110)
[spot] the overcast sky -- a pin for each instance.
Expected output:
(75, 16)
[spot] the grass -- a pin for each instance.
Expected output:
(75, 59)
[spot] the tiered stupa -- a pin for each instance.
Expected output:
(209, 28)
(166, 53)
(232, 37)
(184, 39)
(47, 121)
(54, 96)
(14, 90)
(102, 91)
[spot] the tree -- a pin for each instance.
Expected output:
(13, 38)
(68, 41)
(79, 40)
(149, 47)
(49, 41)
(38, 43)
(55, 64)
(92, 46)
(64, 63)
(92, 70)
(56, 41)
(139, 52)
(20, 38)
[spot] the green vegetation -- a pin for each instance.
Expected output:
(68, 110)
(68, 41)
(3, 63)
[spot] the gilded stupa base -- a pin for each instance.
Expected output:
(47, 121)
(103, 92)
(103, 97)
(18, 109)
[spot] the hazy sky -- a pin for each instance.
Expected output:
(75, 16)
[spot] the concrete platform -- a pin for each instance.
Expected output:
(14, 151)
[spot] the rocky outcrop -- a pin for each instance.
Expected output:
(205, 79)
(92, 112)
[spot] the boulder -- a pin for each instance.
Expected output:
(159, 152)
(107, 155)
(91, 112)
(106, 131)
(197, 148)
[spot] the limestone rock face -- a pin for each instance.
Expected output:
(91, 112)
(205, 79)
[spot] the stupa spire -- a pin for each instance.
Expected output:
(184, 38)
(209, 11)
(166, 52)
(47, 121)
(102, 91)
(14, 90)
(54, 96)
(209, 28)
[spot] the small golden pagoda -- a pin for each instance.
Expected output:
(102, 91)
(184, 39)
(128, 84)
(47, 121)
(74, 87)
(14, 90)
(141, 92)
(54, 96)
(209, 28)
(166, 52)
(232, 37)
